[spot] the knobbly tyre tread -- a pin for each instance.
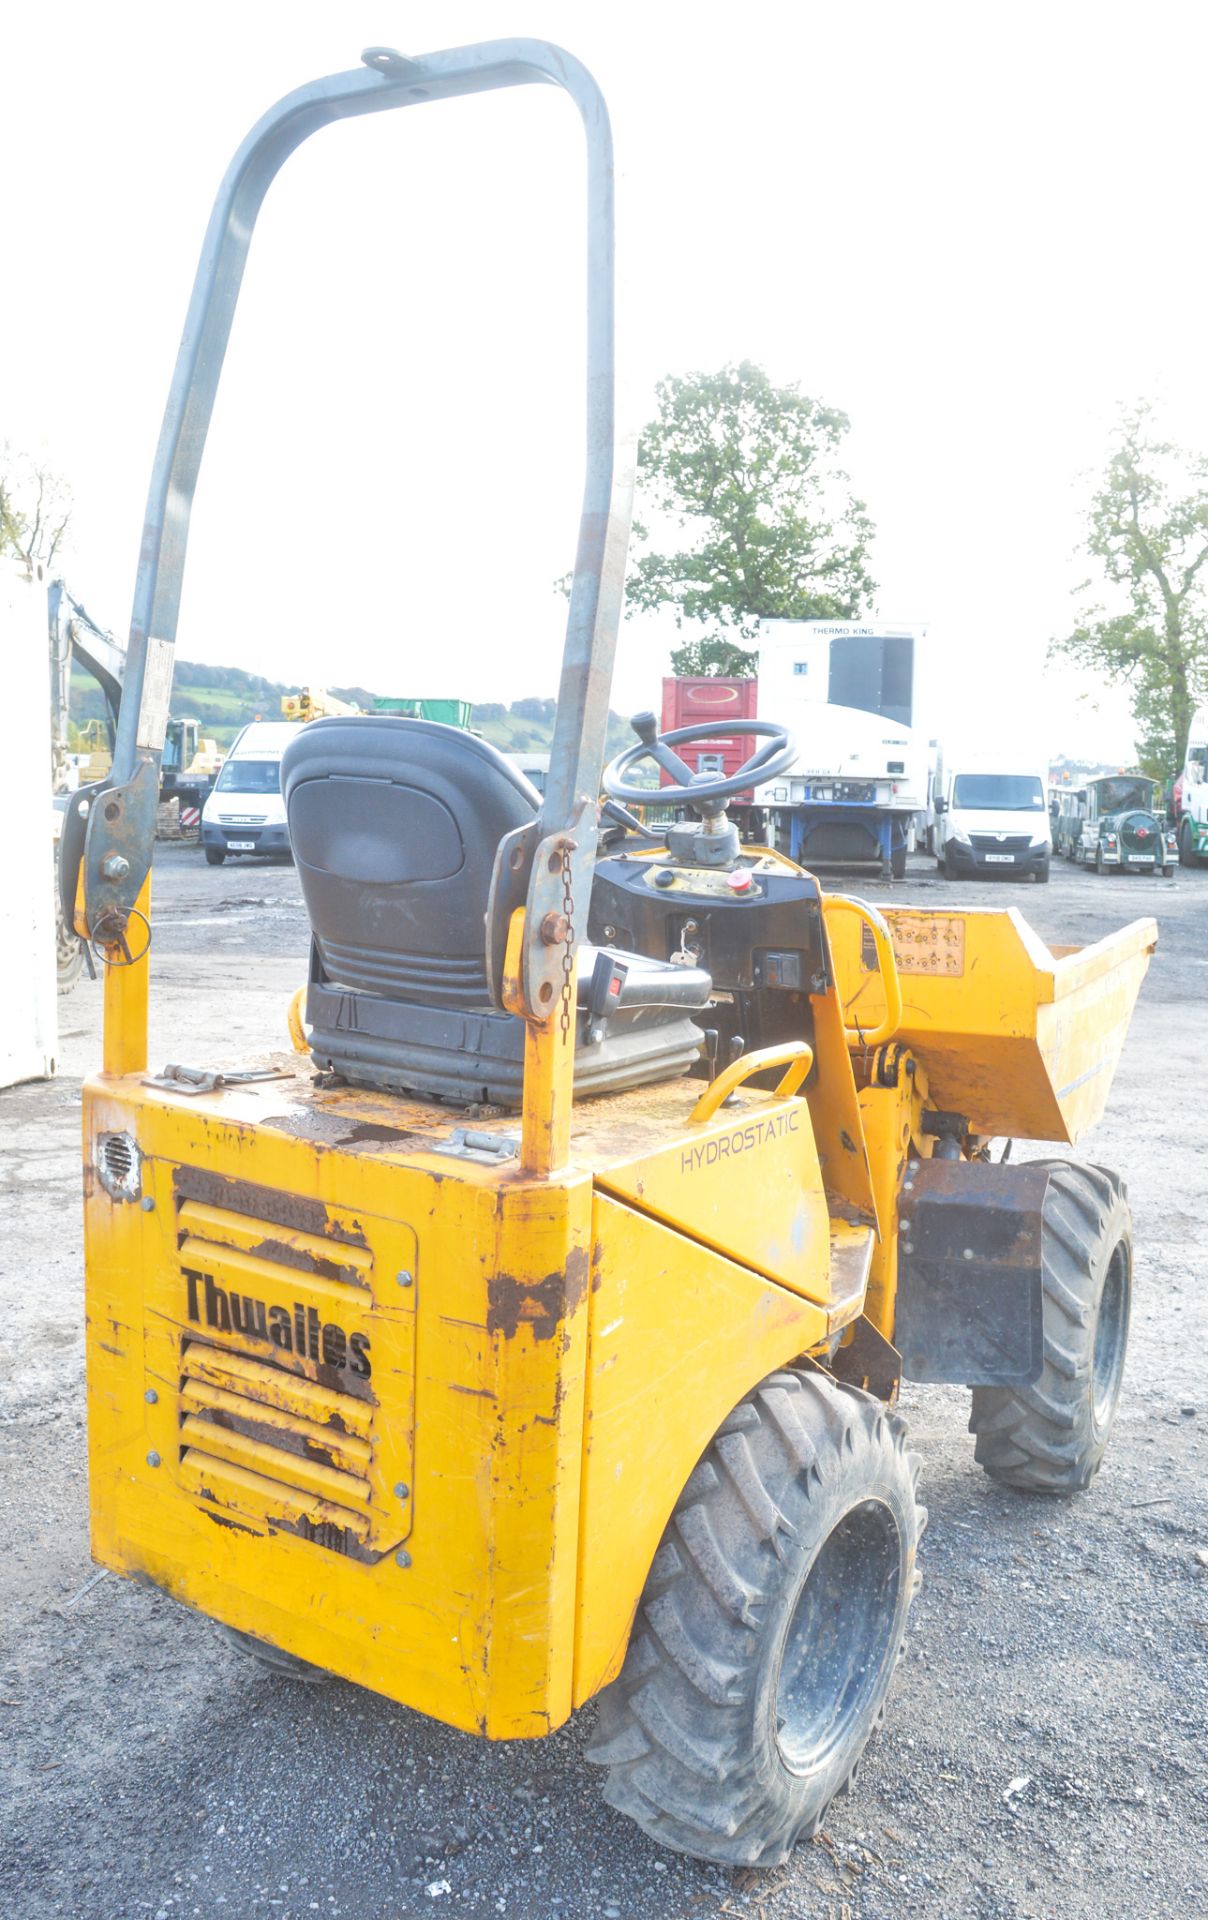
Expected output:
(287, 1666)
(1041, 1438)
(688, 1732)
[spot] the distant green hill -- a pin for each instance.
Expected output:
(223, 699)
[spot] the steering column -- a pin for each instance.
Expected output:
(711, 841)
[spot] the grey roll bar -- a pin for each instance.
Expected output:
(121, 819)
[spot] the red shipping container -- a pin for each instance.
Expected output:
(708, 702)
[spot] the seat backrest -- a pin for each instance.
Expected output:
(394, 825)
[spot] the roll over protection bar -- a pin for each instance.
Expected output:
(116, 822)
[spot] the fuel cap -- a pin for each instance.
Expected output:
(740, 880)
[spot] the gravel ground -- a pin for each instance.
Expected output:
(1044, 1748)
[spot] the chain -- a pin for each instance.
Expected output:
(568, 951)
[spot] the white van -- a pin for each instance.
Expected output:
(245, 812)
(992, 822)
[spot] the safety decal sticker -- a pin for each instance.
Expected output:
(922, 943)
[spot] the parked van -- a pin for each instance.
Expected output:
(245, 813)
(992, 822)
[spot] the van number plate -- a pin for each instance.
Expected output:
(1008, 859)
(241, 846)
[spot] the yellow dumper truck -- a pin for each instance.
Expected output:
(530, 1330)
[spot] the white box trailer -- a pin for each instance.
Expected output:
(29, 1031)
(859, 784)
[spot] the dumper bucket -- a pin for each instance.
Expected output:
(1020, 1038)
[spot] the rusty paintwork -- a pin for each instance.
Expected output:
(300, 1211)
(542, 1305)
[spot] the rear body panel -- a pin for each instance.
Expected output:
(338, 1382)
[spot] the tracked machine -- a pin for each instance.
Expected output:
(530, 1330)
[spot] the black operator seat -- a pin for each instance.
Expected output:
(394, 825)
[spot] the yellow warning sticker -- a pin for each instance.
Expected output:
(922, 943)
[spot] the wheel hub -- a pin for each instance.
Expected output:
(1111, 1328)
(840, 1638)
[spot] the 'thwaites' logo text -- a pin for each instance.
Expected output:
(299, 1331)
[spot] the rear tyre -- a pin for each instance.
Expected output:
(69, 952)
(1050, 1437)
(215, 856)
(69, 948)
(1186, 857)
(897, 863)
(286, 1666)
(770, 1625)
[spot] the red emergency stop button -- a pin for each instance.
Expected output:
(740, 881)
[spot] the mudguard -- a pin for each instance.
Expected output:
(970, 1297)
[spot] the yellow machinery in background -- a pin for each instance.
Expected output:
(532, 1330)
(313, 703)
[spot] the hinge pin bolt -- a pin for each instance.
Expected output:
(404, 1278)
(115, 867)
(147, 1203)
(402, 1558)
(152, 1459)
(151, 1397)
(401, 1489)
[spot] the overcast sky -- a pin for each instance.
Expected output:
(977, 229)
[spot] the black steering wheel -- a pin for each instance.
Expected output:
(708, 791)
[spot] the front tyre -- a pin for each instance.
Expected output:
(1050, 1437)
(770, 1625)
(1042, 873)
(215, 856)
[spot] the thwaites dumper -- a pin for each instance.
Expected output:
(531, 1332)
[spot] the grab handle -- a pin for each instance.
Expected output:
(887, 966)
(797, 1055)
(294, 1018)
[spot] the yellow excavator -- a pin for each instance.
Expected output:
(529, 1332)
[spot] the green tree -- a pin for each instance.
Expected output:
(1144, 617)
(35, 508)
(698, 659)
(750, 474)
